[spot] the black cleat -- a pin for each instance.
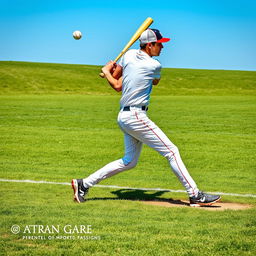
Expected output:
(79, 190)
(203, 199)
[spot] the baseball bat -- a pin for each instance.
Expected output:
(134, 38)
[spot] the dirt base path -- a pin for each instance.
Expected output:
(220, 206)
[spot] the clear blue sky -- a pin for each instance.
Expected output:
(206, 34)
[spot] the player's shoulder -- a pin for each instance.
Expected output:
(129, 55)
(131, 52)
(155, 63)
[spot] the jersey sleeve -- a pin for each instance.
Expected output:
(157, 72)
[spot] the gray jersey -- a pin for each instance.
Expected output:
(139, 71)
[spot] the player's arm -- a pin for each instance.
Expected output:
(113, 73)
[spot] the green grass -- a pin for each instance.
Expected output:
(45, 78)
(54, 129)
(124, 227)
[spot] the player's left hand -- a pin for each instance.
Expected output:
(113, 68)
(108, 67)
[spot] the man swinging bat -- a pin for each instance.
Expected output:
(135, 76)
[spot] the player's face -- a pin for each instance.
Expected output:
(156, 49)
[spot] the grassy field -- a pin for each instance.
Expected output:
(58, 122)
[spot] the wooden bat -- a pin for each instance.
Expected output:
(134, 38)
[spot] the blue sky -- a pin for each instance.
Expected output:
(209, 34)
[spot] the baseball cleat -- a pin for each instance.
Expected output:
(79, 190)
(203, 199)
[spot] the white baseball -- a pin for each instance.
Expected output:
(77, 34)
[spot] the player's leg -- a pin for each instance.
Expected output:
(142, 128)
(129, 161)
(132, 152)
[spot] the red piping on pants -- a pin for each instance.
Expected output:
(167, 148)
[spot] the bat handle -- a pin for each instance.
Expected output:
(102, 75)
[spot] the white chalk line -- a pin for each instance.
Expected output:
(120, 187)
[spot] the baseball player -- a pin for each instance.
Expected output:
(135, 76)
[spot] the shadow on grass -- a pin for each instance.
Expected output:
(146, 196)
(139, 195)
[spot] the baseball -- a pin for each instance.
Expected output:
(77, 34)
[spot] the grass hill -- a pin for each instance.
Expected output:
(45, 78)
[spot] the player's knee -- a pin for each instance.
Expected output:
(173, 151)
(130, 163)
